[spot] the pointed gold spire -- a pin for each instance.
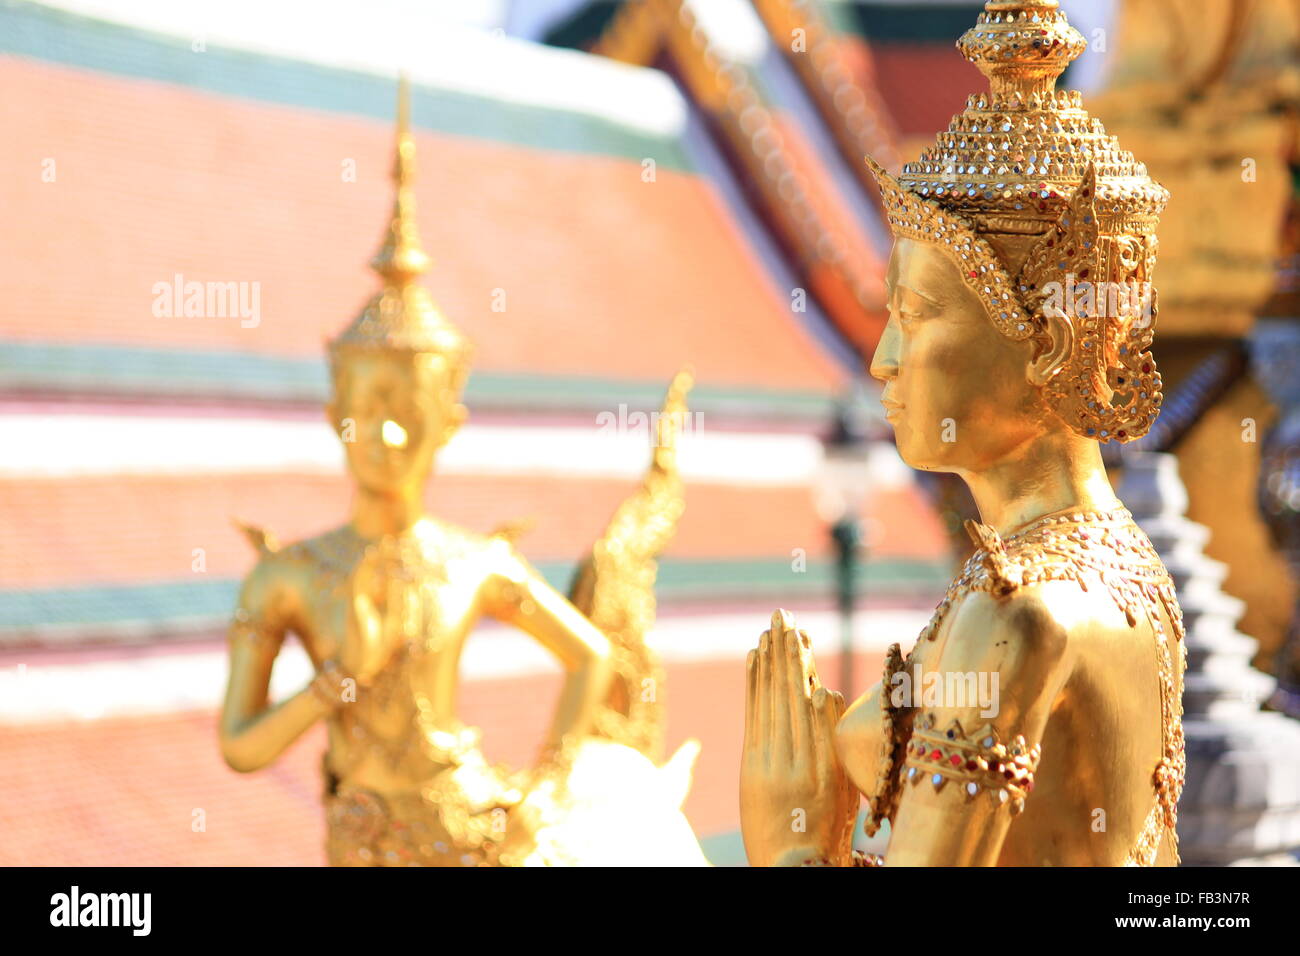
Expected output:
(403, 316)
(401, 257)
(1022, 46)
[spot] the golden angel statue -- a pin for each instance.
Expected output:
(1021, 315)
(384, 604)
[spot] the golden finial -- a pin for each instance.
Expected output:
(1022, 46)
(401, 257)
(403, 316)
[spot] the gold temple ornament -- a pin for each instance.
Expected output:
(1021, 315)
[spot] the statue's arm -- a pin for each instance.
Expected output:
(969, 764)
(517, 595)
(253, 731)
(857, 740)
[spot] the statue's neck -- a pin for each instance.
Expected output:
(376, 514)
(1056, 472)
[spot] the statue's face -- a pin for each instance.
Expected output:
(956, 389)
(392, 412)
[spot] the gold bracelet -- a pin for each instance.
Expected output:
(856, 858)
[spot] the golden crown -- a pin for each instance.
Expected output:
(1043, 213)
(402, 316)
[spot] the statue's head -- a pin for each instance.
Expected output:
(399, 368)
(1020, 297)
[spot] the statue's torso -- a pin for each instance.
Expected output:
(1117, 716)
(401, 734)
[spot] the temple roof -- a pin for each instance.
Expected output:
(250, 156)
(265, 165)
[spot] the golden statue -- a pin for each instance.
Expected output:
(1037, 720)
(384, 604)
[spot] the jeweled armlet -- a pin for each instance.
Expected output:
(975, 762)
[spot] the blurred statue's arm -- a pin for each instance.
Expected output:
(253, 731)
(969, 766)
(519, 596)
(797, 804)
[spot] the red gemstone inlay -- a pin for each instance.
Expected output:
(956, 760)
(936, 755)
(1147, 367)
(971, 765)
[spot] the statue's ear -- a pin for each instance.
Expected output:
(455, 418)
(1068, 249)
(1060, 332)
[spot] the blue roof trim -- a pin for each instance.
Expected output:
(58, 36)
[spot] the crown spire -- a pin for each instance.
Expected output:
(402, 316)
(401, 258)
(1022, 46)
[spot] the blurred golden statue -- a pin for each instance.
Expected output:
(1038, 719)
(384, 604)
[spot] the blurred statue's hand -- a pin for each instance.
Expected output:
(332, 685)
(796, 803)
(382, 613)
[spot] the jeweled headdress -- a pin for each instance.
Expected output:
(402, 316)
(1044, 213)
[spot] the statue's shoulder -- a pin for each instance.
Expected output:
(1035, 619)
(493, 554)
(450, 541)
(449, 546)
(1064, 576)
(332, 552)
(501, 538)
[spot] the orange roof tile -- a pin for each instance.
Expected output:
(603, 274)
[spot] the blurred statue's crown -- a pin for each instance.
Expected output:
(402, 316)
(1025, 189)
